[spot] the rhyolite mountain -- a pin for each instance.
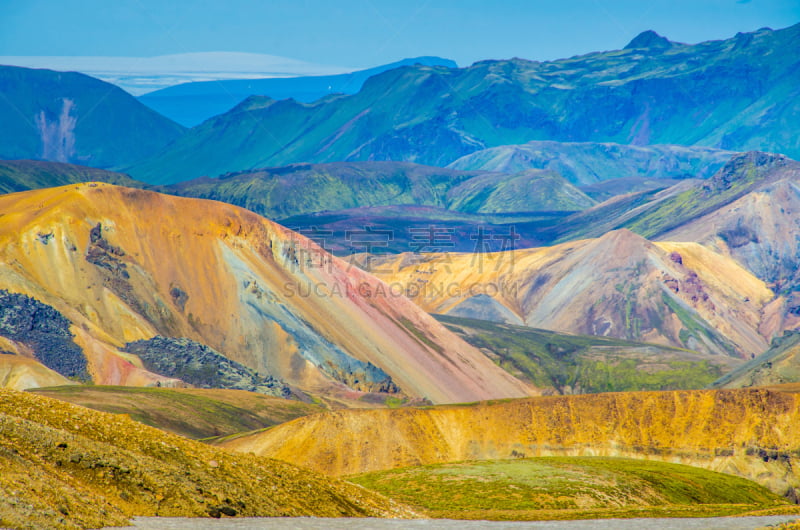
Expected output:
(187, 276)
(21, 175)
(747, 210)
(283, 192)
(618, 285)
(735, 94)
(192, 103)
(584, 163)
(71, 117)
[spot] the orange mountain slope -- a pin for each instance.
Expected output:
(752, 433)
(124, 265)
(619, 285)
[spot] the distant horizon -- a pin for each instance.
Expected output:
(142, 74)
(358, 34)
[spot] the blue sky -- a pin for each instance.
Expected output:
(359, 33)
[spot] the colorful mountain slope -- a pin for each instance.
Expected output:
(619, 285)
(658, 213)
(123, 265)
(584, 163)
(63, 466)
(736, 94)
(71, 117)
(751, 433)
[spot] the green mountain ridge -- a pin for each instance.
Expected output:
(737, 94)
(22, 175)
(283, 192)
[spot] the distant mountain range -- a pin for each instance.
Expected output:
(279, 193)
(735, 94)
(192, 103)
(584, 163)
(71, 117)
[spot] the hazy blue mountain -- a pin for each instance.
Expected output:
(192, 103)
(736, 94)
(585, 163)
(71, 117)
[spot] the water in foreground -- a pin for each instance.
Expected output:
(307, 523)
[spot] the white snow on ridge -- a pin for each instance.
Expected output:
(139, 75)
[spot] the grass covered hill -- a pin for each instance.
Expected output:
(571, 488)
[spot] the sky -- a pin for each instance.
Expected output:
(363, 33)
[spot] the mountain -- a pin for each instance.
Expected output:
(584, 163)
(193, 103)
(131, 287)
(619, 285)
(279, 193)
(736, 94)
(578, 364)
(533, 190)
(751, 433)
(65, 466)
(71, 117)
(744, 211)
(21, 175)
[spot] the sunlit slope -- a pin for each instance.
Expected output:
(124, 265)
(619, 285)
(63, 466)
(19, 373)
(751, 433)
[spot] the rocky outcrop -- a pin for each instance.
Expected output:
(44, 331)
(200, 366)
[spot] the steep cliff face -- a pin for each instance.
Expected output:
(751, 433)
(124, 265)
(619, 285)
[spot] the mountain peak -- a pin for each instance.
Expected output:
(753, 165)
(649, 39)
